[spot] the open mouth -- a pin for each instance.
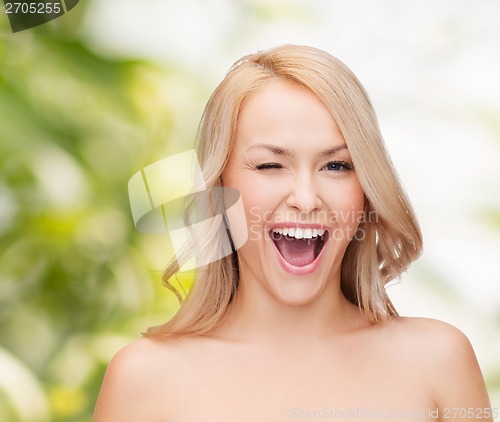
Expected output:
(298, 246)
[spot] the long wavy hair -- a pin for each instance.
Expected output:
(391, 238)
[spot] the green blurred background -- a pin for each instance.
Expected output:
(91, 98)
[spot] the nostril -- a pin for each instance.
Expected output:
(303, 200)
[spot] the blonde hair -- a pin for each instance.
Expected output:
(391, 235)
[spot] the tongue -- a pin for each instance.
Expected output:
(298, 252)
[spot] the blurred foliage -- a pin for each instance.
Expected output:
(75, 282)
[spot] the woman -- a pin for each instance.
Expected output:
(296, 323)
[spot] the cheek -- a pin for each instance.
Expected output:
(258, 214)
(347, 207)
(258, 205)
(259, 201)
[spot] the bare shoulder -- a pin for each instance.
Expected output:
(134, 377)
(444, 356)
(145, 352)
(426, 330)
(144, 357)
(433, 344)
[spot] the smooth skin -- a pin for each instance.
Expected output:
(291, 346)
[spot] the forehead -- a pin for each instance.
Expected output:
(286, 114)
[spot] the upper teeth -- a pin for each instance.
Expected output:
(300, 233)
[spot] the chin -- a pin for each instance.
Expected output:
(296, 290)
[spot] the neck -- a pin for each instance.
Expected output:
(258, 317)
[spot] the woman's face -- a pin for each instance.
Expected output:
(302, 198)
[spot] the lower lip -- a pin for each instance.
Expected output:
(305, 270)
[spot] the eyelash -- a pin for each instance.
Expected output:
(345, 166)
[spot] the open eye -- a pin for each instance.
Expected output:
(268, 166)
(337, 166)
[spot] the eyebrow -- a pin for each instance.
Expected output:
(287, 153)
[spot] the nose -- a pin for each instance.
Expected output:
(304, 196)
